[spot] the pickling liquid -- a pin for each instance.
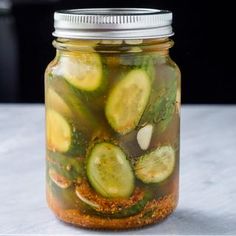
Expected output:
(112, 132)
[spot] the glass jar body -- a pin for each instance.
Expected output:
(112, 132)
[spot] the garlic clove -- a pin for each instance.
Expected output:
(144, 136)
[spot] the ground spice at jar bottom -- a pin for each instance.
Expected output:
(108, 206)
(154, 211)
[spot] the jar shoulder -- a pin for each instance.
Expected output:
(163, 67)
(51, 66)
(166, 70)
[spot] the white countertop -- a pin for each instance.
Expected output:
(207, 203)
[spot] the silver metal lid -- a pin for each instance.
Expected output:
(113, 23)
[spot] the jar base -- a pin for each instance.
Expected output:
(154, 212)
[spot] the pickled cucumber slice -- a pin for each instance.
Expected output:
(146, 62)
(56, 102)
(162, 107)
(80, 112)
(156, 166)
(62, 136)
(71, 168)
(127, 101)
(109, 172)
(82, 70)
(118, 207)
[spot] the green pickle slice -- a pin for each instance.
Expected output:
(67, 95)
(161, 107)
(71, 168)
(155, 166)
(109, 171)
(127, 101)
(56, 102)
(82, 70)
(62, 136)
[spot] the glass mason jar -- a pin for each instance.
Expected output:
(112, 98)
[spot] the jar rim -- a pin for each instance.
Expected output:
(113, 23)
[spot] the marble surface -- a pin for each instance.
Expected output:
(208, 175)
